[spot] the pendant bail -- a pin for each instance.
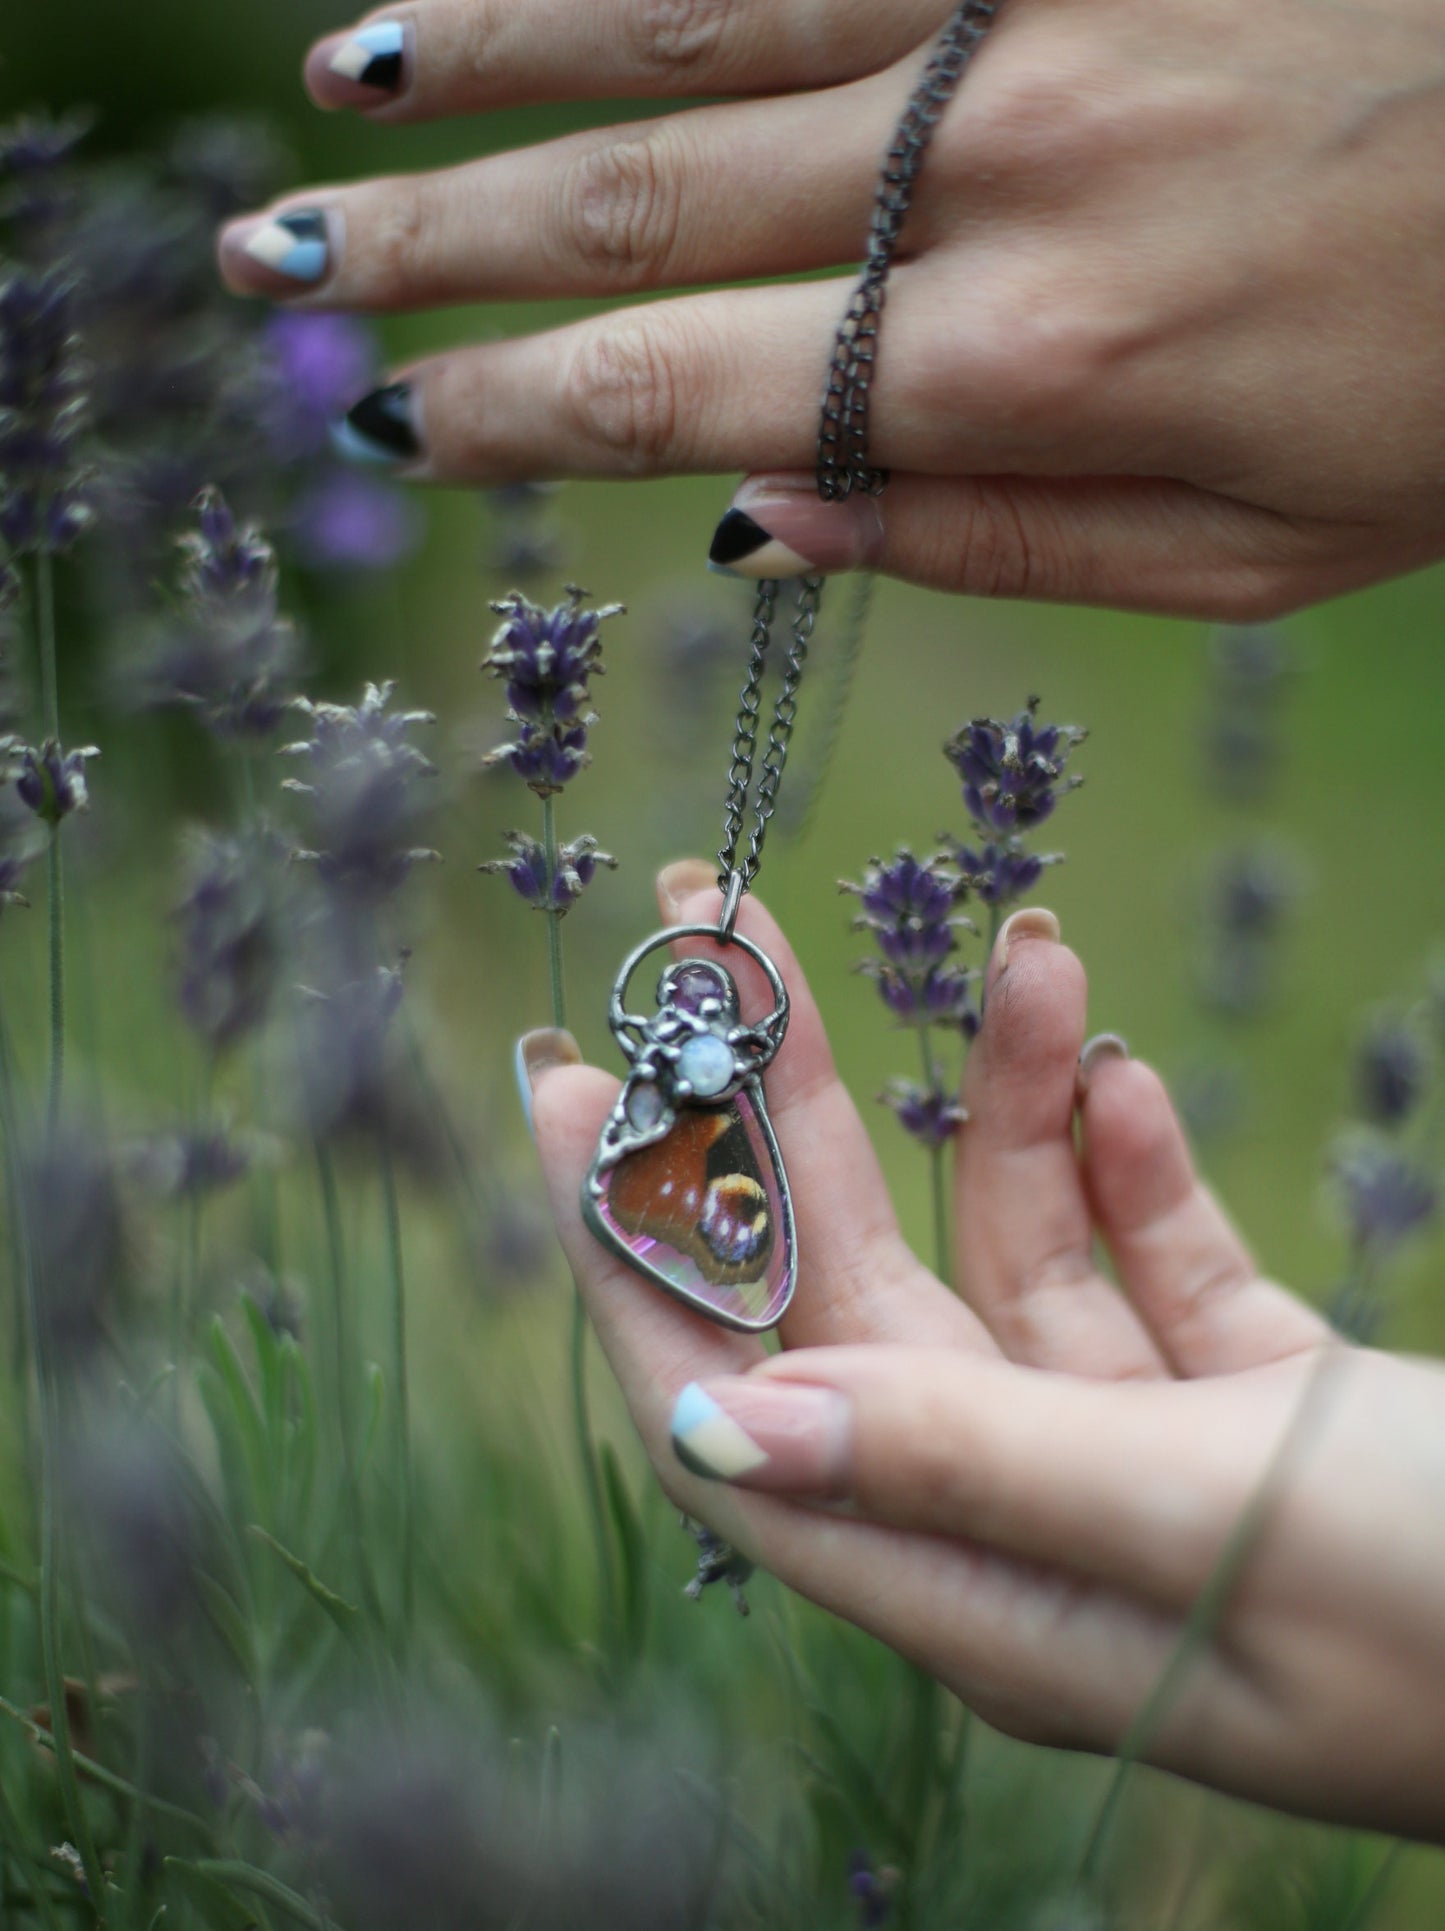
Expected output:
(732, 899)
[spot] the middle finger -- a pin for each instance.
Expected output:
(713, 194)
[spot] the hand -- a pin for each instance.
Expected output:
(1167, 333)
(1025, 1490)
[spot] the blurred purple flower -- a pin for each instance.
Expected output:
(1013, 773)
(927, 1113)
(51, 782)
(77, 1239)
(346, 521)
(37, 192)
(1386, 1196)
(45, 481)
(321, 362)
(871, 1888)
(527, 870)
(232, 925)
(546, 659)
(188, 1164)
(365, 792)
(1392, 1071)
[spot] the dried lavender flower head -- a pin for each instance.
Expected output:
(1392, 1071)
(1013, 772)
(228, 655)
(233, 927)
(910, 906)
(51, 782)
(45, 478)
(547, 659)
(1385, 1195)
(926, 1113)
(530, 875)
(367, 787)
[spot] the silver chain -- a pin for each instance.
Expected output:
(842, 464)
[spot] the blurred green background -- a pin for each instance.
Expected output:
(1360, 798)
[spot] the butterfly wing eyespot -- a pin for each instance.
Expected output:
(699, 1191)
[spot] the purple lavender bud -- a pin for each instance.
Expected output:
(910, 906)
(1013, 773)
(51, 782)
(939, 996)
(1392, 1071)
(45, 483)
(366, 789)
(1385, 1195)
(546, 659)
(1001, 874)
(930, 1115)
(232, 928)
(527, 870)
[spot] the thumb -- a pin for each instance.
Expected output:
(1129, 543)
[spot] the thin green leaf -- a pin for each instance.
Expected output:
(346, 1616)
(268, 1363)
(246, 1877)
(248, 1416)
(633, 1547)
(215, 1903)
(229, 1624)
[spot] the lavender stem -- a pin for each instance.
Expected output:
(554, 917)
(942, 1245)
(55, 873)
(392, 1209)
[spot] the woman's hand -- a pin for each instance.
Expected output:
(1167, 334)
(1025, 1490)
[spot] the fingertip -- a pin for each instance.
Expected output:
(1135, 1145)
(683, 879)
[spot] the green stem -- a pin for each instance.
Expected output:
(55, 882)
(938, 1173)
(392, 1209)
(341, 1360)
(1207, 1611)
(554, 919)
(246, 1877)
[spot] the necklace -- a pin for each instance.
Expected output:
(688, 1184)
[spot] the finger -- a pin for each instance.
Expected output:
(435, 57)
(630, 207)
(1186, 1269)
(858, 1278)
(1104, 1481)
(1127, 542)
(1025, 1227)
(974, 1615)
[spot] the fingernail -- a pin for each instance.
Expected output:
(683, 879)
(381, 428)
(764, 1434)
(1029, 922)
(781, 527)
(1101, 1047)
(361, 68)
(536, 1053)
(279, 254)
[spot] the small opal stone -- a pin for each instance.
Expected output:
(705, 1210)
(706, 1063)
(644, 1106)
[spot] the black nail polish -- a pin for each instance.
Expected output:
(381, 428)
(736, 537)
(372, 57)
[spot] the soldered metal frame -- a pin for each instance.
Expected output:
(646, 1040)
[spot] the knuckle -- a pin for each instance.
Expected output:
(993, 548)
(621, 207)
(676, 36)
(621, 392)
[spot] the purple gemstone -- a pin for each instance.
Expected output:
(693, 982)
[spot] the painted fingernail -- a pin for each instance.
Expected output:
(279, 254)
(1029, 922)
(1101, 1047)
(683, 879)
(781, 527)
(537, 1053)
(361, 68)
(764, 1434)
(381, 428)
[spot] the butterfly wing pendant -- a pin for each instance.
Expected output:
(688, 1185)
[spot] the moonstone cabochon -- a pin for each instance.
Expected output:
(705, 1214)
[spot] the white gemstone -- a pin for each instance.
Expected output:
(706, 1063)
(644, 1106)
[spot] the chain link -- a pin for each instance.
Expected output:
(843, 463)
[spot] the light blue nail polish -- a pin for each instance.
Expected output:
(295, 245)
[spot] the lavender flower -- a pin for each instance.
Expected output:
(528, 871)
(51, 782)
(1013, 773)
(1392, 1071)
(36, 190)
(352, 522)
(1385, 1195)
(232, 924)
(1247, 902)
(349, 1080)
(364, 790)
(228, 655)
(45, 483)
(871, 1889)
(1002, 874)
(1249, 670)
(717, 1561)
(188, 1164)
(910, 906)
(77, 1238)
(927, 1113)
(546, 659)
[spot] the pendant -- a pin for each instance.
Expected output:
(687, 1185)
